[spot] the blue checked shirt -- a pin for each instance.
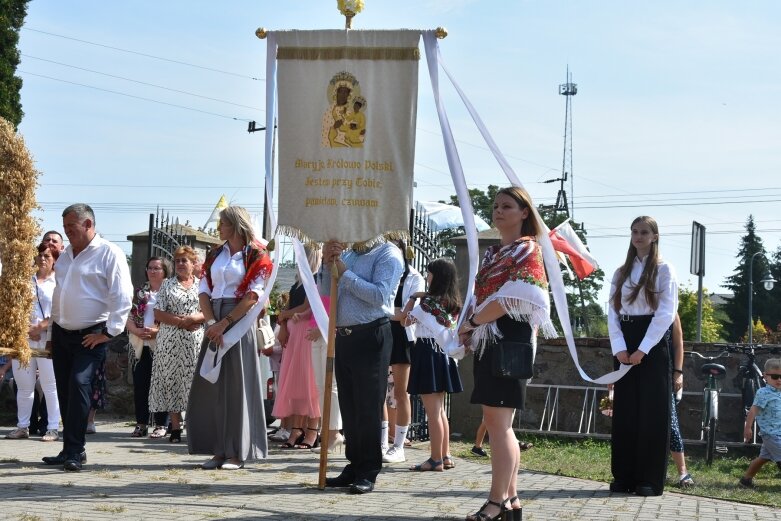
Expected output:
(768, 400)
(367, 289)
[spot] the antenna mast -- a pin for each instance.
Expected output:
(567, 90)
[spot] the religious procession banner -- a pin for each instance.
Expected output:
(347, 104)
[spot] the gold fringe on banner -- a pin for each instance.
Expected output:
(349, 53)
(359, 246)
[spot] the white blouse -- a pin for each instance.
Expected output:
(227, 272)
(42, 306)
(664, 314)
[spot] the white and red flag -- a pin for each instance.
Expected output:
(566, 241)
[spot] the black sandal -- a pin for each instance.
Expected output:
(176, 436)
(140, 432)
(291, 444)
(316, 443)
(482, 516)
(514, 514)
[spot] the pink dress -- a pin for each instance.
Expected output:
(297, 390)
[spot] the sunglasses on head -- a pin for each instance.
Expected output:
(773, 376)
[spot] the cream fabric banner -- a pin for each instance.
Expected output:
(347, 113)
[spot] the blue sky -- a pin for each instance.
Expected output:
(676, 114)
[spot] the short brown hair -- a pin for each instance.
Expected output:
(54, 251)
(187, 252)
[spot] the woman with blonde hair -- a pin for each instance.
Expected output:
(511, 303)
(643, 304)
(225, 419)
(181, 332)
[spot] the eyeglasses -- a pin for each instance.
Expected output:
(773, 376)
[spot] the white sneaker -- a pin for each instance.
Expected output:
(51, 435)
(280, 435)
(394, 455)
(91, 428)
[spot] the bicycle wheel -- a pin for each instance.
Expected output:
(710, 441)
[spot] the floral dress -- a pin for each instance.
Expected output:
(176, 353)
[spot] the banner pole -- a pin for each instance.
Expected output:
(325, 417)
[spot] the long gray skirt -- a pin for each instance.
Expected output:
(226, 418)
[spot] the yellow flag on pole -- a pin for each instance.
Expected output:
(215, 216)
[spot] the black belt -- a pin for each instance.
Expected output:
(81, 332)
(349, 330)
(635, 318)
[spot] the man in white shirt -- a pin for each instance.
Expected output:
(90, 306)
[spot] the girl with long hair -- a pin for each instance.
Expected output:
(643, 304)
(432, 372)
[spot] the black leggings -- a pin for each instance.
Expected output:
(142, 381)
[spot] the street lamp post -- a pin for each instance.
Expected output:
(767, 282)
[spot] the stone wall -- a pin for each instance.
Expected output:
(554, 365)
(119, 380)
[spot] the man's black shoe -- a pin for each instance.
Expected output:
(340, 481)
(72, 465)
(620, 487)
(60, 458)
(645, 490)
(362, 486)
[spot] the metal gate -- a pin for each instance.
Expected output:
(425, 247)
(165, 235)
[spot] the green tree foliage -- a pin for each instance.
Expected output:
(482, 202)
(687, 310)
(764, 303)
(12, 13)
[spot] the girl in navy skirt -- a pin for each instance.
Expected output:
(432, 372)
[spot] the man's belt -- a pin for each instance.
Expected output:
(81, 332)
(349, 330)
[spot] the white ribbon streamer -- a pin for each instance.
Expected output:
(459, 182)
(434, 58)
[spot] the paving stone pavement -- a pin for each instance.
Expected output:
(130, 478)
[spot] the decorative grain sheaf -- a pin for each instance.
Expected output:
(18, 232)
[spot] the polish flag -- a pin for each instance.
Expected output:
(566, 241)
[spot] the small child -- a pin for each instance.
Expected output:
(767, 411)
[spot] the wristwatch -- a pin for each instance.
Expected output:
(106, 333)
(210, 322)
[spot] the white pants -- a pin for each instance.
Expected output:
(319, 353)
(25, 382)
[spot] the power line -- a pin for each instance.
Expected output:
(134, 96)
(144, 54)
(143, 83)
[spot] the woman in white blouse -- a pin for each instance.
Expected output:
(643, 304)
(43, 287)
(225, 419)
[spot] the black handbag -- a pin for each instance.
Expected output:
(513, 360)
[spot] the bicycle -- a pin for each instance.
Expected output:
(710, 401)
(750, 377)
